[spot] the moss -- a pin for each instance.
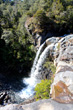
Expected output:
(58, 47)
(49, 64)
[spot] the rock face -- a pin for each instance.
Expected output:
(61, 93)
(62, 87)
(4, 98)
(8, 97)
(47, 104)
(38, 36)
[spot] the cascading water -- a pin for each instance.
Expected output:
(41, 60)
(36, 58)
(37, 66)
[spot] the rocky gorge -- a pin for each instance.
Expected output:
(61, 94)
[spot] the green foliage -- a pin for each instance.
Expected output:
(58, 47)
(29, 14)
(41, 18)
(18, 50)
(52, 67)
(1, 1)
(57, 8)
(43, 89)
(47, 15)
(39, 14)
(49, 64)
(1, 31)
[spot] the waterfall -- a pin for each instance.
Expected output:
(41, 60)
(36, 58)
(37, 66)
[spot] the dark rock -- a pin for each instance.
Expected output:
(7, 97)
(3, 97)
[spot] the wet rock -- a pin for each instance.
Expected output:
(14, 97)
(2, 97)
(45, 73)
(7, 97)
(52, 40)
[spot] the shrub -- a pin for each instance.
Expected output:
(49, 64)
(57, 8)
(43, 89)
(29, 14)
(41, 17)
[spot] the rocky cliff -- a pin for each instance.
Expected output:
(62, 86)
(38, 36)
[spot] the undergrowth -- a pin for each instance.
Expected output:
(43, 88)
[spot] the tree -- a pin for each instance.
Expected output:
(57, 7)
(41, 18)
(1, 1)
(1, 16)
(1, 31)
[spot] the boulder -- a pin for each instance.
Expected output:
(61, 93)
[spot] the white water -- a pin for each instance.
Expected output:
(41, 60)
(36, 58)
(37, 66)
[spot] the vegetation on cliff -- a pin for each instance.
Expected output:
(43, 88)
(53, 15)
(15, 43)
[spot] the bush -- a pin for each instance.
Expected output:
(40, 17)
(1, 31)
(49, 64)
(57, 8)
(43, 89)
(29, 14)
